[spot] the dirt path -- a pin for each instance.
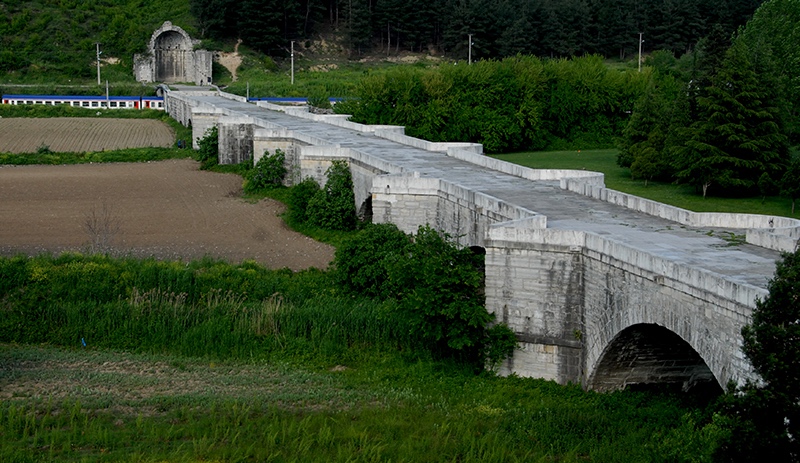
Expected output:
(168, 209)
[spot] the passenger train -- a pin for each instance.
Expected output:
(96, 102)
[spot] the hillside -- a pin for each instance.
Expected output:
(55, 40)
(49, 39)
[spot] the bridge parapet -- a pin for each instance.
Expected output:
(771, 232)
(410, 201)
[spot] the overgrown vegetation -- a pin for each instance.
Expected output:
(208, 148)
(269, 172)
(438, 285)
(764, 416)
(517, 103)
(385, 396)
(331, 207)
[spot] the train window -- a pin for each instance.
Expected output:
(113, 104)
(29, 102)
(94, 104)
(85, 104)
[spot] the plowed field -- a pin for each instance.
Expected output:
(80, 134)
(168, 209)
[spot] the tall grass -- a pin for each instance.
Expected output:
(203, 308)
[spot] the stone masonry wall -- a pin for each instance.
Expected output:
(538, 290)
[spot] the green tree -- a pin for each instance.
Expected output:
(268, 172)
(363, 264)
(740, 136)
(764, 417)
(776, 24)
(208, 148)
(333, 207)
(790, 182)
(300, 196)
(438, 286)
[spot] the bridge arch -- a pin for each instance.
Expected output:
(646, 354)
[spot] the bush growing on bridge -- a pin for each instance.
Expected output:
(438, 286)
(333, 207)
(268, 172)
(299, 197)
(208, 152)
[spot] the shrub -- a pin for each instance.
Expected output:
(299, 197)
(333, 207)
(208, 153)
(363, 262)
(268, 172)
(438, 286)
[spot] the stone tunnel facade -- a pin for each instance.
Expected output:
(171, 58)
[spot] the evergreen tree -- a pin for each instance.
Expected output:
(764, 417)
(739, 136)
(776, 26)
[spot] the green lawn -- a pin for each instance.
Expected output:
(618, 178)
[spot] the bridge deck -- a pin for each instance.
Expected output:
(704, 248)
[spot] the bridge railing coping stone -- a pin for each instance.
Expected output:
(349, 154)
(490, 206)
(771, 232)
(593, 178)
(231, 96)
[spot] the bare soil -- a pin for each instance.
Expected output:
(167, 210)
(81, 134)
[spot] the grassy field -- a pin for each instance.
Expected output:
(105, 359)
(86, 404)
(618, 178)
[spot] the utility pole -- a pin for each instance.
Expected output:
(640, 51)
(292, 62)
(469, 56)
(98, 62)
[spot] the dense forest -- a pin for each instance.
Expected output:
(60, 36)
(551, 28)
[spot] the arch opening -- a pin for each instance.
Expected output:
(365, 211)
(651, 357)
(170, 49)
(480, 262)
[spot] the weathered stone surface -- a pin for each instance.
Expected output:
(171, 58)
(602, 288)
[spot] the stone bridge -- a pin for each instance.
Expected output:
(602, 288)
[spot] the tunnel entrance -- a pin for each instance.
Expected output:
(651, 357)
